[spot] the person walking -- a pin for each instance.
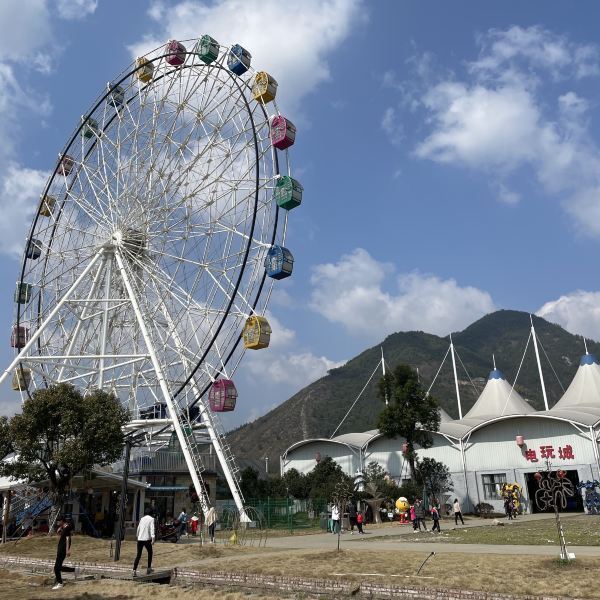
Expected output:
(64, 528)
(145, 539)
(183, 519)
(359, 521)
(457, 512)
(352, 517)
(508, 508)
(335, 519)
(435, 515)
(211, 522)
(420, 515)
(413, 517)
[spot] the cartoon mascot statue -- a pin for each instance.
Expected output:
(512, 492)
(403, 506)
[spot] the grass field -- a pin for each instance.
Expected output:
(579, 531)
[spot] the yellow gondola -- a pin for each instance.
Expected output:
(264, 88)
(21, 379)
(47, 206)
(257, 333)
(145, 69)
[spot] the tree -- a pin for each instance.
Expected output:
(295, 484)
(322, 480)
(60, 433)
(411, 413)
(376, 475)
(436, 477)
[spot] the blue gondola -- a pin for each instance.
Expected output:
(34, 249)
(116, 96)
(279, 262)
(238, 60)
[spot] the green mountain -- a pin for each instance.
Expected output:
(317, 410)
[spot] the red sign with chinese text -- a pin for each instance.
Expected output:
(547, 451)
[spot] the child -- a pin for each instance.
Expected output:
(194, 524)
(359, 521)
(435, 515)
(413, 518)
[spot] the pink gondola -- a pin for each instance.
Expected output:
(175, 53)
(19, 336)
(222, 396)
(283, 132)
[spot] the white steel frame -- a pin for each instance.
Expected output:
(152, 256)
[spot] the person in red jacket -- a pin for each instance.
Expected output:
(359, 521)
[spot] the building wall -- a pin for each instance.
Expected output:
(303, 458)
(491, 450)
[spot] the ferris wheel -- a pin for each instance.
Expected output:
(149, 263)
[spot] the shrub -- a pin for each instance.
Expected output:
(484, 510)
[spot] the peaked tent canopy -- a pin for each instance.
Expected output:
(581, 401)
(497, 400)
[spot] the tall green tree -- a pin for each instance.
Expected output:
(60, 433)
(410, 414)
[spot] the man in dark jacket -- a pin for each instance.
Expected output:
(352, 516)
(420, 515)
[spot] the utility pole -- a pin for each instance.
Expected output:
(120, 529)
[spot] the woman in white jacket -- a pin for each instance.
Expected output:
(211, 521)
(335, 518)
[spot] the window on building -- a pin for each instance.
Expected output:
(492, 484)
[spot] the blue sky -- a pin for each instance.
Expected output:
(449, 152)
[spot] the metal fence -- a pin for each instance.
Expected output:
(163, 461)
(287, 513)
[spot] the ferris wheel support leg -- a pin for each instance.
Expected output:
(75, 336)
(207, 422)
(103, 335)
(164, 388)
(50, 316)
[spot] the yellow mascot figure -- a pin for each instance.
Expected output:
(403, 506)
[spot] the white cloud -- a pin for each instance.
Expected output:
(391, 126)
(76, 9)
(298, 370)
(477, 126)
(499, 119)
(578, 312)
(507, 196)
(351, 292)
(24, 29)
(281, 366)
(290, 40)
(20, 190)
(539, 48)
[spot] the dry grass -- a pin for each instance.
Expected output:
(15, 586)
(87, 549)
(489, 572)
(498, 573)
(579, 531)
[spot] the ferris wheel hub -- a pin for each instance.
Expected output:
(132, 240)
